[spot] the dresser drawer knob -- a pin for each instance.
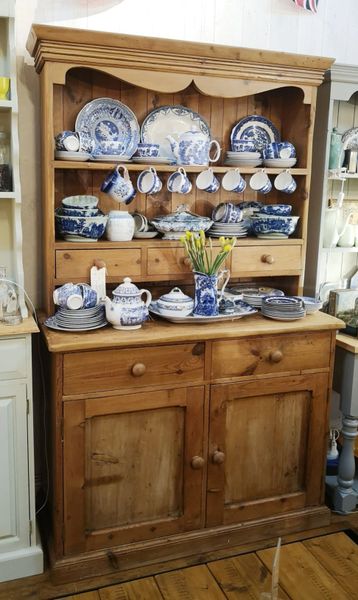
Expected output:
(268, 258)
(276, 356)
(197, 462)
(218, 457)
(138, 369)
(186, 262)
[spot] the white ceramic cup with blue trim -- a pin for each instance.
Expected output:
(179, 182)
(284, 182)
(233, 181)
(148, 182)
(207, 182)
(260, 182)
(118, 186)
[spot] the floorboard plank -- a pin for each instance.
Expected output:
(86, 596)
(339, 555)
(193, 583)
(302, 575)
(141, 589)
(243, 577)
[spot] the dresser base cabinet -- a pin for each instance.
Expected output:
(187, 456)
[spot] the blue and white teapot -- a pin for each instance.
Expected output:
(193, 148)
(127, 309)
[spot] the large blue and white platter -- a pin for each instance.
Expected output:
(171, 120)
(257, 129)
(241, 310)
(111, 125)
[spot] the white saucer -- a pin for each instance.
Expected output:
(280, 163)
(155, 160)
(73, 156)
(117, 158)
(72, 237)
(145, 234)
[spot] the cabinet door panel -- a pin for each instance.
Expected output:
(270, 439)
(128, 473)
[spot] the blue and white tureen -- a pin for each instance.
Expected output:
(176, 224)
(175, 303)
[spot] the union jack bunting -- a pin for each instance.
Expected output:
(307, 4)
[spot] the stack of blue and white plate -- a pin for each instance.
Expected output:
(284, 308)
(83, 319)
(229, 230)
(252, 293)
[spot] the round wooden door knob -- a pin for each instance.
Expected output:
(218, 457)
(187, 262)
(276, 356)
(268, 259)
(138, 369)
(197, 462)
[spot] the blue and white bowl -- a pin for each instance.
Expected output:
(86, 227)
(243, 146)
(310, 304)
(273, 225)
(282, 210)
(147, 150)
(78, 212)
(80, 201)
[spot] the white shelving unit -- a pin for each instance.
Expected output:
(10, 202)
(337, 106)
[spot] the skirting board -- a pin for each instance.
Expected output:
(21, 563)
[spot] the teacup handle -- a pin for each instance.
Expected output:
(218, 150)
(125, 172)
(149, 296)
(221, 274)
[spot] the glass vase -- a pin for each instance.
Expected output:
(206, 295)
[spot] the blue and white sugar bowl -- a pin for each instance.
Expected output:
(175, 303)
(127, 309)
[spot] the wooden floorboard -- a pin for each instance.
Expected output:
(312, 569)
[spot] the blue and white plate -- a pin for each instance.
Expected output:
(111, 124)
(171, 120)
(257, 129)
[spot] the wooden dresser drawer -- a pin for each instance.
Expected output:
(114, 369)
(72, 264)
(13, 358)
(165, 261)
(271, 354)
(261, 260)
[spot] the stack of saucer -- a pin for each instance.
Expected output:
(243, 159)
(284, 308)
(253, 293)
(280, 163)
(219, 229)
(78, 320)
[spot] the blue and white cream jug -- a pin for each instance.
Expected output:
(127, 309)
(193, 148)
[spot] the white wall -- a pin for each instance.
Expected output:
(267, 24)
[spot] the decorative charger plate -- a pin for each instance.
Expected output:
(350, 139)
(257, 129)
(106, 120)
(238, 314)
(171, 120)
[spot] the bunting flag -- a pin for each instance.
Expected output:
(307, 4)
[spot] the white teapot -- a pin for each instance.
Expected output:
(127, 310)
(193, 148)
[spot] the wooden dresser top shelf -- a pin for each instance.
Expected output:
(163, 332)
(26, 326)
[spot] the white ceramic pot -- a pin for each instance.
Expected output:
(120, 226)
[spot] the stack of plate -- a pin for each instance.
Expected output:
(243, 159)
(74, 156)
(83, 319)
(253, 294)
(280, 163)
(228, 229)
(153, 160)
(284, 308)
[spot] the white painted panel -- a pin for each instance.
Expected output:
(12, 358)
(7, 468)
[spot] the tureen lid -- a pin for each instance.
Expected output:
(181, 214)
(127, 288)
(177, 296)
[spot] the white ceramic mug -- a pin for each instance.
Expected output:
(284, 182)
(179, 182)
(260, 182)
(207, 182)
(148, 182)
(118, 186)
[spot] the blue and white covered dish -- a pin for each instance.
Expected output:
(175, 303)
(176, 224)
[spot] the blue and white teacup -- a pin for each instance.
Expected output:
(233, 181)
(68, 295)
(227, 212)
(148, 182)
(67, 140)
(207, 182)
(243, 146)
(179, 182)
(260, 182)
(118, 186)
(147, 150)
(279, 150)
(284, 182)
(89, 295)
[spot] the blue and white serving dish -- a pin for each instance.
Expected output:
(74, 228)
(174, 121)
(273, 226)
(255, 128)
(111, 125)
(240, 312)
(175, 303)
(176, 224)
